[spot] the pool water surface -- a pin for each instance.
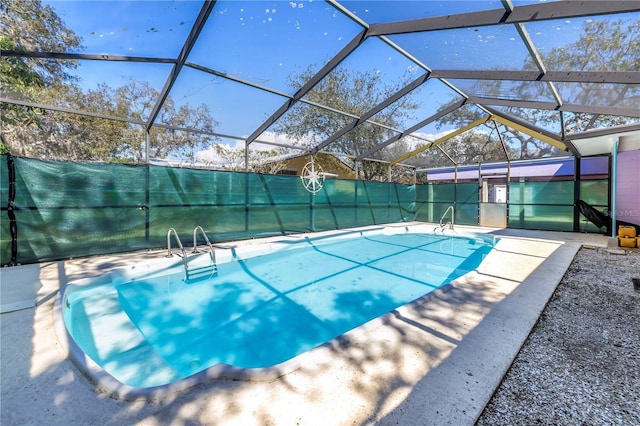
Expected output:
(259, 310)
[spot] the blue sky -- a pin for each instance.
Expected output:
(261, 41)
(265, 42)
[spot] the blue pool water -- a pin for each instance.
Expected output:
(257, 311)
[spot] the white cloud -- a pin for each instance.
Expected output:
(281, 138)
(210, 155)
(415, 143)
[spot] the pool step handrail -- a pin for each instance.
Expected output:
(442, 224)
(199, 271)
(169, 252)
(212, 255)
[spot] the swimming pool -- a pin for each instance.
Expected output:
(146, 327)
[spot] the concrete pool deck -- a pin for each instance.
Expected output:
(432, 363)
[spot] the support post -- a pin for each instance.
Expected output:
(147, 148)
(614, 179)
(576, 193)
(147, 189)
(246, 187)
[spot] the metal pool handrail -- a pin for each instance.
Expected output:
(212, 254)
(201, 271)
(169, 254)
(442, 225)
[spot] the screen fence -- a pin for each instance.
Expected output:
(54, 210)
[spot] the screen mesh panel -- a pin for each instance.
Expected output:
(541, 205)
(68, 209)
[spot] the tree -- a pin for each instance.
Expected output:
(178, 142)
(32, 27)
(88, 138)
(350, 91)
(604, 45)
(27, 25)
(259, 161)
(17, 78)
(521, 145)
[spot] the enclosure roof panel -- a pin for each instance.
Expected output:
(496, 47)
(370, 79)
(128, 28)
(376, 12)
(265, 43)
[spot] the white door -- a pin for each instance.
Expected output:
(493, 201)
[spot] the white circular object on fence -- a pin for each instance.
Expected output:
(312, 177)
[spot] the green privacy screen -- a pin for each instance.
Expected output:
(58, 210)
(435, 199)
(72, 209)
(69, 209)
(595, 193)
(541, 205)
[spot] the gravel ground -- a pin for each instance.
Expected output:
(581, 363)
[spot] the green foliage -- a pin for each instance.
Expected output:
(259, 160)
(27, 25)
(16, 77)
(603, 45)
(119, 136)
(472, 147)
(87, 137)
(519, 145)
(353, 92)
(15, 71)
(31, 26)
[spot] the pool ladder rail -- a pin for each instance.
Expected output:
(194, 272)
(442, 222)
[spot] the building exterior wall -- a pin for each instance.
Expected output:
(628, 187)
(328, 163)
